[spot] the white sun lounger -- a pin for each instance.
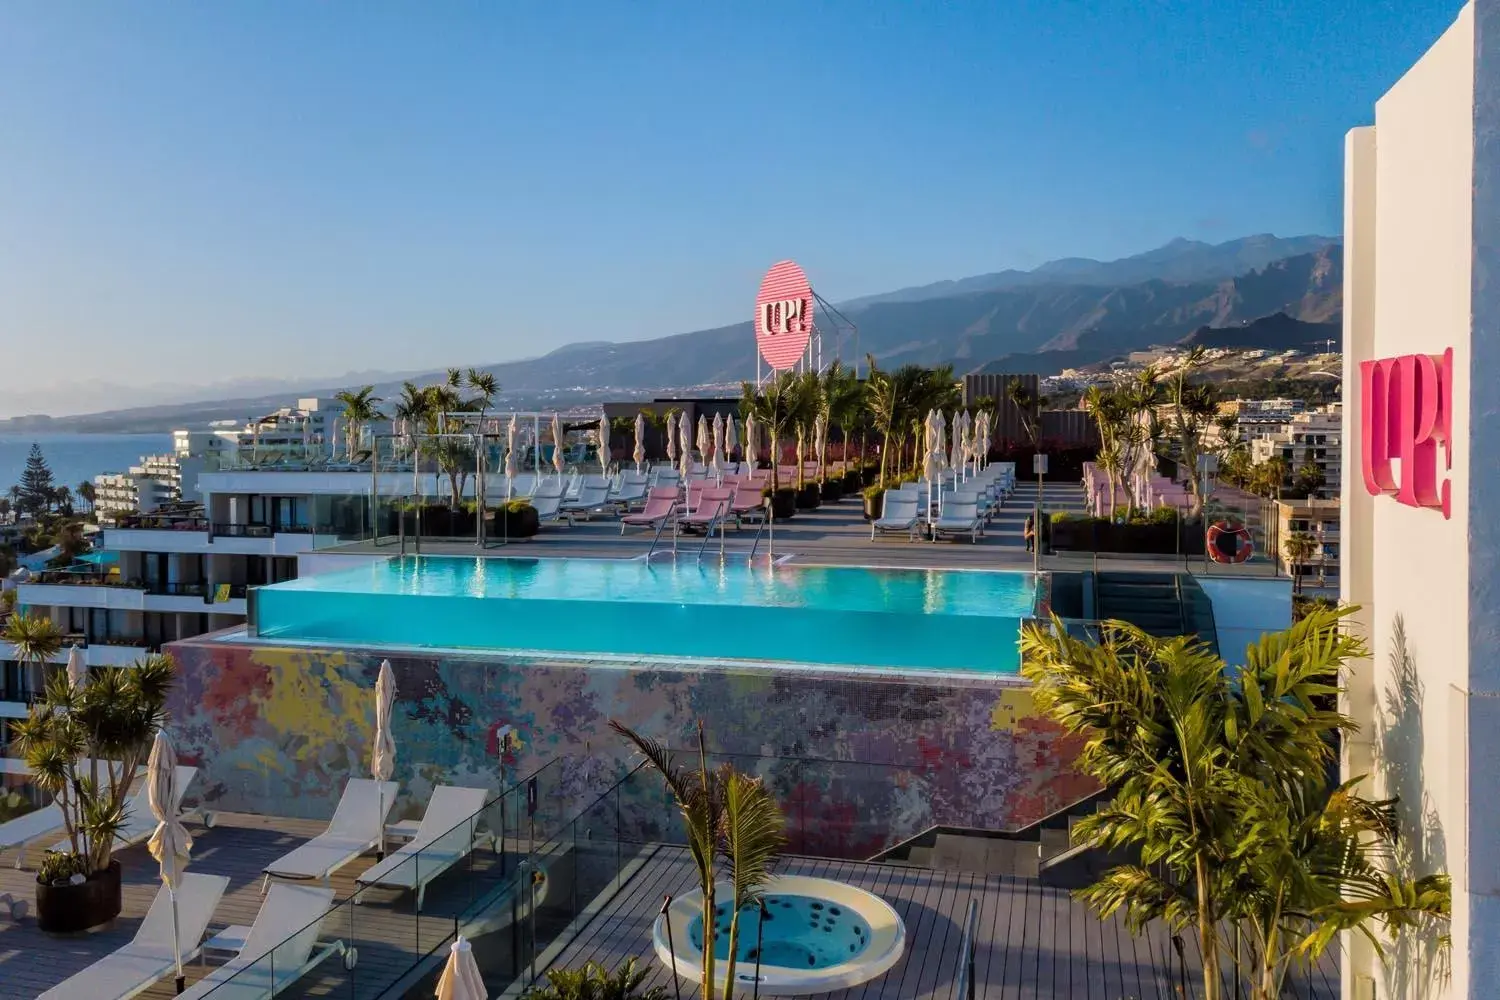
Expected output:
(139, 822)
(355, 828)
(960, 517)
(899, 513)
(445, 837)
(139, 965)
(278, 951)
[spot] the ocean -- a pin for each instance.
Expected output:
(77, 457)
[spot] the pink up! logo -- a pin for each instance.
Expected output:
(1407, 416)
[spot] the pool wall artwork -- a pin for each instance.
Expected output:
(860, 760)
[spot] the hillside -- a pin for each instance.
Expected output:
(1062, 315)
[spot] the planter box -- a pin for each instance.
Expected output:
(874, 506)
(1102, 536)
(783, 504)
(70, 909)
(521, 523)
(809, 498)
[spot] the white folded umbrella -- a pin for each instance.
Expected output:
(383, 758)
(460, 979)
(171, 844)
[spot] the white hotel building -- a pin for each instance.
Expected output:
(1421, 489)
(184, 571)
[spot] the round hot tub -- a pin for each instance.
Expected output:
(818, 936)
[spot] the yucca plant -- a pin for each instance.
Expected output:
(84, 746)
(1222, 785)
(733, 824)
(36, 641)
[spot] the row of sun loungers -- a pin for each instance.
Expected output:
(961, 508)
(283, 944)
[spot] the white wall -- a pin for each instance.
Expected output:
(1407, 276)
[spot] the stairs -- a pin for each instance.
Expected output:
(1160, 604)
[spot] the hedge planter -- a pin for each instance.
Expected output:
(521, 522)
(809, 498)
(874, 506)
(833, 491)
(783, 504)
(69, 909)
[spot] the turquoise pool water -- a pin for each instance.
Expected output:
(801, 932)
(936, 619)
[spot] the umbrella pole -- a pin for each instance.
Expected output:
(177, 941)
(380, 820)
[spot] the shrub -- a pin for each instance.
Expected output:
(595, 982)
(60, 866)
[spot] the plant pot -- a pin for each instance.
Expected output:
(875, 506)
(69, 909)
(833, 491)
(522, 523)
(809, 497)
(783, 504)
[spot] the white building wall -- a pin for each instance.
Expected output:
(1408, 255)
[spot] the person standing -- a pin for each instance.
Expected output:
(1030, 532)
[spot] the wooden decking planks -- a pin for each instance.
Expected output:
(1031, 941)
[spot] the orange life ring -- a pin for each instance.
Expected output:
(1229, 543)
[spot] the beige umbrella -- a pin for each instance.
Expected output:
(820, 442)
(383, 758)
(705, 440)
(460, 979)
(685, 427)
(170, 844)
(731, 437)
(604, 444)
(671, 440)
(956, 452)
(640, 441)
(510, 456)
(718, 443)
(932, 454)
(558, 462)
(750, 434)
(78, 670)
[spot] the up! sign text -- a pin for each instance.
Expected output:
(1406, 414)
(784, 316)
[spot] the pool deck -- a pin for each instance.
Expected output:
(387, 932)
(1031, 941)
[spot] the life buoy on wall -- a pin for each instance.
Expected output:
(1229, 543)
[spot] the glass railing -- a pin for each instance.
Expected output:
(512, 876)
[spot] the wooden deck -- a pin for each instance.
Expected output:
(385, 928)
(1032, 941)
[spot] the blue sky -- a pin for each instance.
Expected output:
(198, 192)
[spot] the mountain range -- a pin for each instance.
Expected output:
(1062, 314)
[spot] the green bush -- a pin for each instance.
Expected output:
(60, 866)
(595, 982)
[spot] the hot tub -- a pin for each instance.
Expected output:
(819, 936)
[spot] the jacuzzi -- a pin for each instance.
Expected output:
(819, 936)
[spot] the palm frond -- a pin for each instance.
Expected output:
(753, 835)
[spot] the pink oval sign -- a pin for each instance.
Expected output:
(783, 315)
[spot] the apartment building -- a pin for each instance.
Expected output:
(1318, 519)
(1314, 436)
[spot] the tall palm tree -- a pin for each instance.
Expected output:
(777, 407)
(732, 821)
(844, 402)
(86, 492)
(360, 407)
(1300, 547)
(1221, 783)
(1015, 391)
(36, 642)
(485, 387)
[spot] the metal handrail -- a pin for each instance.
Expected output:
(756, 542)
(963, 979)
(660, 527)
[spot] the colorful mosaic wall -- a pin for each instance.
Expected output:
(860, 760)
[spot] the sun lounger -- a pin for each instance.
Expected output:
(354, 829)
(960, 516)
(592, 498)
(628, 494)
(278, 949)
(660, 506)
(445, 837)
(898, 513)
(135, 967)
(711, 511)
(139, 823)
(748, 501)
(549, 510)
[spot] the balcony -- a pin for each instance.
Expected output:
(196, 597)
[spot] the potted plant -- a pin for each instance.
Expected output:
(809, 497)
(735, 830)
(595, 982)
(783, 503)
(521, 520)
(874, 501)
(84, 746)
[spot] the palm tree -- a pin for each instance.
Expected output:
(360, 407)
(63, 497)
(1300, 547)
(777, 408)
(844, 402)
(86, 492)
(731, 820)
(485, 388)
(1015, 391)
(36, 642)
(4, 508)
(1221, 783)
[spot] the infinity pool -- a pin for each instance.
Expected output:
(933, 619)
